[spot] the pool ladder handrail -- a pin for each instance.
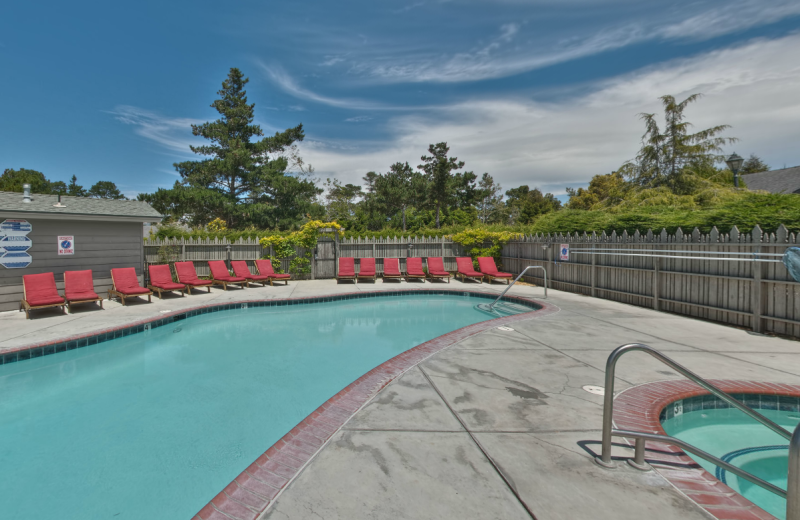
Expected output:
(491, 305)
(791, 494)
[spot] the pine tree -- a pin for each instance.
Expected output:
(663, 155)
(243, 181)
(438, 168)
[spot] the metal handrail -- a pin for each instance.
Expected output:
(792, 494)
(685, 446)
(491, 305)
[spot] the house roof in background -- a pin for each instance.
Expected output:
(786, 180)
(44, 206)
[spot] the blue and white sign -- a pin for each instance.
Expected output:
(15, 260)
(564, 253)
(15, 227)
(16, 243)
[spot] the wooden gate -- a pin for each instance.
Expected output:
(325, 262)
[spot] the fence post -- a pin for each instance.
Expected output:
(656, 279)
(594, 272)
(755, 294)
(183, 250)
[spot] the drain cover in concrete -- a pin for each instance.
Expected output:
(596, 390)
(507, 329)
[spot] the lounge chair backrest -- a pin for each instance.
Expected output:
(465, 264)
(78, 281)
(366, 265)
(39, 286)
(391, 266)
(486, 264)
(347, 266)
(414, 265)
(160, 274)
(435, 263)
(125, 278)
(240, 269)
(265, 267)
(218, 269)
(186, 272)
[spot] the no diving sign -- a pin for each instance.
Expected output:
(66, 245)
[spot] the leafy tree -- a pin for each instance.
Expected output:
(341, 200)
(74, 189)
(105, 190)
(438, 168)
(525, 204)
(753, 164)
(244, 180)
(607, 189)
(464, 191)
(665, 153)
(400, 188)
(12, 180)
(490, 200)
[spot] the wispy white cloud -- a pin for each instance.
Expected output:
(358, 119)
(499, 58)
(332, 60)
(172, 133)
(289, 85)
(552, 145)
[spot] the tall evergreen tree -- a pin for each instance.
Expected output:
(664, 154)
(438, 168)
(74, 189)
(490, 200)
(400, 188)
(244, 180)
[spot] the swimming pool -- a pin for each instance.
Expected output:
(153, 425)
(713, 426)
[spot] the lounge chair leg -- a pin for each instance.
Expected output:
(101, 303)
(149, 298)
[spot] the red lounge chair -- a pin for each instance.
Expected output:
(414, 269)
(79, 288)
(366, 269)
(39, 291)
(436, 268)
(161, 280)
(187, 275)
(391, 268)
(489, 269)
(221, 276)
(347, 269)
(126, 285)
(240, 269)
(466, 269)
(264, 267)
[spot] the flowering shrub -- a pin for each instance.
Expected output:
(285, 246)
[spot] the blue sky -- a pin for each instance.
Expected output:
(537, 92)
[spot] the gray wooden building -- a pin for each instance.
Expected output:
(44, 235)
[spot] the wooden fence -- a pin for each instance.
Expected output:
(640, 269)
(323, 264)
(723, 280)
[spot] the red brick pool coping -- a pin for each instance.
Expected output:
(639, 408)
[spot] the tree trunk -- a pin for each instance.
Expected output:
(404, 218)
(437, 217)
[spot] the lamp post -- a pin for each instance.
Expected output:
(734, 162)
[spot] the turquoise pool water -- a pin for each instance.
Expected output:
(743, 442)
(155, 424)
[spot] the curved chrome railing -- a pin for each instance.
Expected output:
(491, 305)
(792, 493)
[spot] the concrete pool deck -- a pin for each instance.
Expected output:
(494, 426)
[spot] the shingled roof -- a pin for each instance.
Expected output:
(44, 206)
(786, 180)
